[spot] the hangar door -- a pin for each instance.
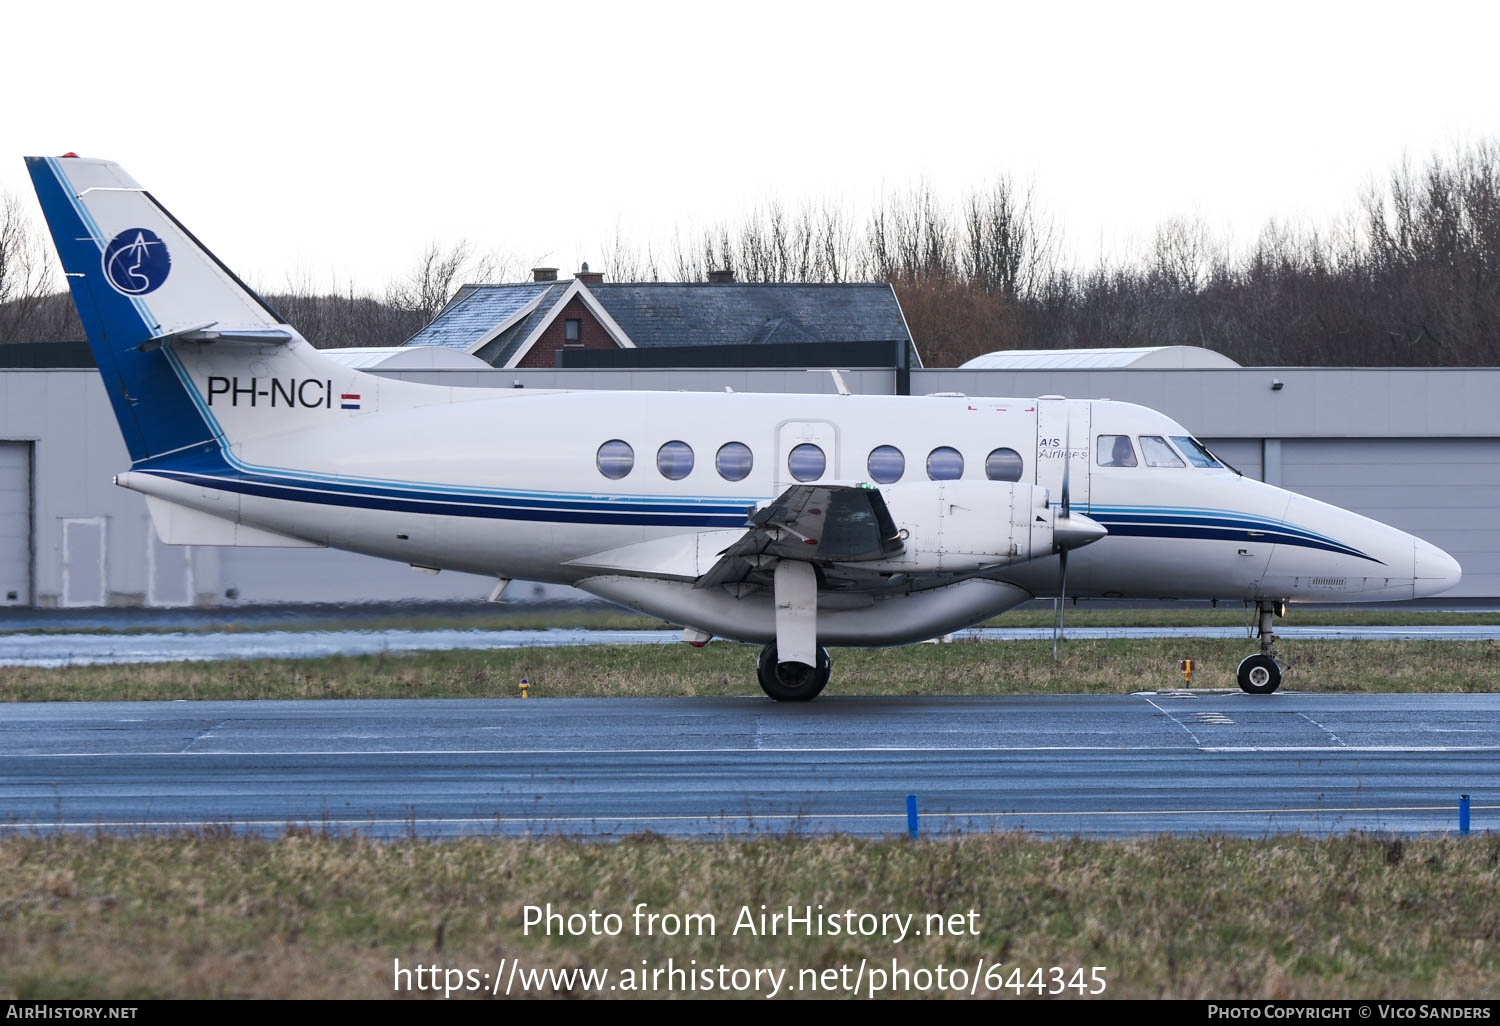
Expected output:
(1243, 453)
(15, 524)
(1445, 490)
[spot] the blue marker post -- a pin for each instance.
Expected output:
(911, 815)
(1463, 813)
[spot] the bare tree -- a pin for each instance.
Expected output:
(1007, 247)
(432, 281)
(26, 273)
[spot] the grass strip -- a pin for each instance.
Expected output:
(1109, 666)
(213, 914)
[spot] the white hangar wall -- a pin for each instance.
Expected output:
(1419, 449)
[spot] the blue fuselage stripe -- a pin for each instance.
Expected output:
(560, 510)
(576, 509)
(1261, 535)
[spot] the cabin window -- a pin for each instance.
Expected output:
(571, 329)
(886, 464)
(1158, 453)
(1003, 465)
(675, 460)
(734, 461)
(945, 464)
(1196, 454)
(615, 459)
(806, 462)
(1115, 451)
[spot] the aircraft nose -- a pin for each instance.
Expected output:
(1434, 569)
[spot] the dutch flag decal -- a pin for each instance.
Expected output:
(351, 400)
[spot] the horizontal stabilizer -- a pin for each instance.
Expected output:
(209, 333)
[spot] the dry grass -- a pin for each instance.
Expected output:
(302, 916)
(968, 668)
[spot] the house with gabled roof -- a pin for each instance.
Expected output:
(538, 323)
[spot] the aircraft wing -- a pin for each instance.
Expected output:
(823, 524)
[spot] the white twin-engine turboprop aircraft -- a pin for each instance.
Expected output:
(796, 521)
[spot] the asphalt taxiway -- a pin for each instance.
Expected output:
(1115, 765)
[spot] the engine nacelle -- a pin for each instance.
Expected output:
(963, 526)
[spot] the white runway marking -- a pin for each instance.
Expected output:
(1211, 717)
(1324, 729)
(1197, 741)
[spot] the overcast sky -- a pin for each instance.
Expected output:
(336, 140)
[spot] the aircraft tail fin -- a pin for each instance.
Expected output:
(140, 281)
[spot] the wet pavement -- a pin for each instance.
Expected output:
(1094, 765)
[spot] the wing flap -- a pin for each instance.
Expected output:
(822, 524)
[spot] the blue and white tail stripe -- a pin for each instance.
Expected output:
(149, 323)
(153, 411)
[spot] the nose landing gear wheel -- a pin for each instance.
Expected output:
(792, 682)
(1259, 674)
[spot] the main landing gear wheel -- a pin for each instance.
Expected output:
(792, 682)
(1259, 674)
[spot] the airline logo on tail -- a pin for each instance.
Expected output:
(136, 262)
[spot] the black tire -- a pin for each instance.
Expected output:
(792, 682)
(1259, 674)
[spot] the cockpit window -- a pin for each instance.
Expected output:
(1193, 449)
(1115, 451)
(1158, 453)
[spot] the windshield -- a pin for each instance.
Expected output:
(1196, 454)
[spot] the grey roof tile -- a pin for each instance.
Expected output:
(667, 314)
(678, 314)
(475, 311)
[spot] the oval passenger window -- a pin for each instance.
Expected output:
(945, 463)
(734, 461)
(675, 460)
(615, 459)
(806, 462)
(886, 464)
(1003, 465)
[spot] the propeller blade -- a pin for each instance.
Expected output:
(1062, 553)
(1062, 599)
(1067, 464)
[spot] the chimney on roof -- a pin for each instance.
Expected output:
(544, 274)
(589, 277)
(721, 276)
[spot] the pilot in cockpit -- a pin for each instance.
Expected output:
(1120, 453)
